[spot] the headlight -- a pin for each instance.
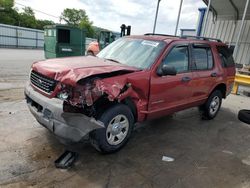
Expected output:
(63, 95)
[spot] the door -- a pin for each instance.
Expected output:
(205, 73)
(171, 93)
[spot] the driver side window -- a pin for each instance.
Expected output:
(178, 58)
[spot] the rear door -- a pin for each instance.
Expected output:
(205, 73)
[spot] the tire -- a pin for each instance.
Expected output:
(244, 116)
(106, 140)
(212, 106)
(90, 53)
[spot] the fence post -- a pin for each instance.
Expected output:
(36, 39)
(17, 37)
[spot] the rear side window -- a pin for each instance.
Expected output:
(226, 56)
(202, 58)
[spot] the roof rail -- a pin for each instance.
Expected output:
(201, 38)
(161, 34)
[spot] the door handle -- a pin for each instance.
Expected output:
(186, 79)
(214, 74)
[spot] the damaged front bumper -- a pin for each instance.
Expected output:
(49, 113)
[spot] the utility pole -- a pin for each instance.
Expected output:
(178, 18)
(156, 15)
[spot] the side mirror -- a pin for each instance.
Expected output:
(166, 70)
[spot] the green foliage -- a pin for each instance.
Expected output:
(27, 18)
(9, 16)
(88, 27)
(74, 16)
(78, 18)
(24, 19)
(41, 23)
(28, 11)
(6, 4)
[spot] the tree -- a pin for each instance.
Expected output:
(29, 11)
(78, 18)
(88, 27)
(27, 18)
(6, 4)
(8, 15)
(73, 16)
(41, 23)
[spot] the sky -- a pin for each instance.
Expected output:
(110, 14)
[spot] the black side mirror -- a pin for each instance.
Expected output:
(166, 70)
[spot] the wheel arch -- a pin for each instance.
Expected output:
(130, 103)
(105, 104)
(221, 87)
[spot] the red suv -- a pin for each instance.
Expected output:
(134, 79)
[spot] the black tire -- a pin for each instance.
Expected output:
(207, 111)
(99, 137)
(244, 116)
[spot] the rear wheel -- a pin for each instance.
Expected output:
(210, 109)
(118, 121)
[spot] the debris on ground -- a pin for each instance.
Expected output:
(167, 159)
(66, 160)
(227, 152)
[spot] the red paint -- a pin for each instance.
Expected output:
(152, 95)
(72, 69)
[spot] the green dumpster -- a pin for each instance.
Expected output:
(63, 41)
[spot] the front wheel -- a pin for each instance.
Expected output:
(118, 121)
(210, 109)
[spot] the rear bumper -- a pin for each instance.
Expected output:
(49, 113)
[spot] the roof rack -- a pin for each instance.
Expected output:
(161, 34)
(186, 36)
(201, 38)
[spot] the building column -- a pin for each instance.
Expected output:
(241, 28)
(206, 18)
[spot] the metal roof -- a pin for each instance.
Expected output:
(229, 9)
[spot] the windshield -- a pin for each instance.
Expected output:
(138, 53)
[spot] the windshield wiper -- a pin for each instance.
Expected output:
(110, 59)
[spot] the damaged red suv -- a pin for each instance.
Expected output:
(134, 79)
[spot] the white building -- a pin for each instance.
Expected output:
(228, 20)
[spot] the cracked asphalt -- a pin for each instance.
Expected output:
(212, 153)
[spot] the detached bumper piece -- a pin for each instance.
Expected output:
(66, 160)
(49, 113)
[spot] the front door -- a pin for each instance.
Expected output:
(171, 93)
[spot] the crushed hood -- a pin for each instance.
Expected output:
(72, 69)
